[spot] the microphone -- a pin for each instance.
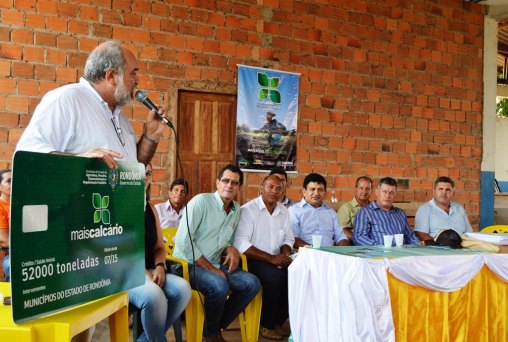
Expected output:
(143, 98)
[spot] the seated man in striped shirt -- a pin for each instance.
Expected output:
(381, 218)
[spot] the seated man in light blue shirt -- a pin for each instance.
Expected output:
(311, 216)
(205, 239)
(441, 212)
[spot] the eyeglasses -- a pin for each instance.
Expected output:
(230, 181)
(118, 130)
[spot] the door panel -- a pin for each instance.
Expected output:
(206, 126)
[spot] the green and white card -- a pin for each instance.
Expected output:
(77, 231)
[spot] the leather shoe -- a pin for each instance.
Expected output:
(221, 338)
(270, 334)
(217, 338)
(283, 330)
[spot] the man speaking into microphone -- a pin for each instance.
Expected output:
(86, 118)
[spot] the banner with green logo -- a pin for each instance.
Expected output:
(77, 231)
(267, 116)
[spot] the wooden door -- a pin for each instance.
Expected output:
(206, 129)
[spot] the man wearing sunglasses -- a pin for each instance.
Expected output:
(205, 240)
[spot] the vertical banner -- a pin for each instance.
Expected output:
(77, 231)
(267, 116)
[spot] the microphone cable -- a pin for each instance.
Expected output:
(180, 166)
(142, 97)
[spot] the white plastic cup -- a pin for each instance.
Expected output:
(388, 240)
(399, 240)
(316, 241)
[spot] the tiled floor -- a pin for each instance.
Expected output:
(232, 334)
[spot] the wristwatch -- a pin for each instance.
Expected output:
(162, 264)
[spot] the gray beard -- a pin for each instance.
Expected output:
(122, 96)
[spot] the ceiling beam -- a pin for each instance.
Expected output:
(498, 12)
(502, 48)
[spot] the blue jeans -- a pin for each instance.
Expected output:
(6, 264)
(220, 309)
(160, 307)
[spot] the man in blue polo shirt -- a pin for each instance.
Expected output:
(441, 212)
(382, 218)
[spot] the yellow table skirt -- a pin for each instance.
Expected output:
(478, 312)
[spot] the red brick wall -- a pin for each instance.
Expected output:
(388, 87)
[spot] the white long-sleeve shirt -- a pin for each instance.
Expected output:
(264, 231)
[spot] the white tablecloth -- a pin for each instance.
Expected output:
(334, 297)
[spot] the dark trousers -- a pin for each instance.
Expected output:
(274, 281)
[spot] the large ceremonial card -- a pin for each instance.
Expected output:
(77, 231)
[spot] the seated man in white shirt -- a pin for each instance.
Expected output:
(441, 212)
(170, 212)
(282, 174)
(264, 235)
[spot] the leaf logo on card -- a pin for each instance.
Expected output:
(101, 212)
